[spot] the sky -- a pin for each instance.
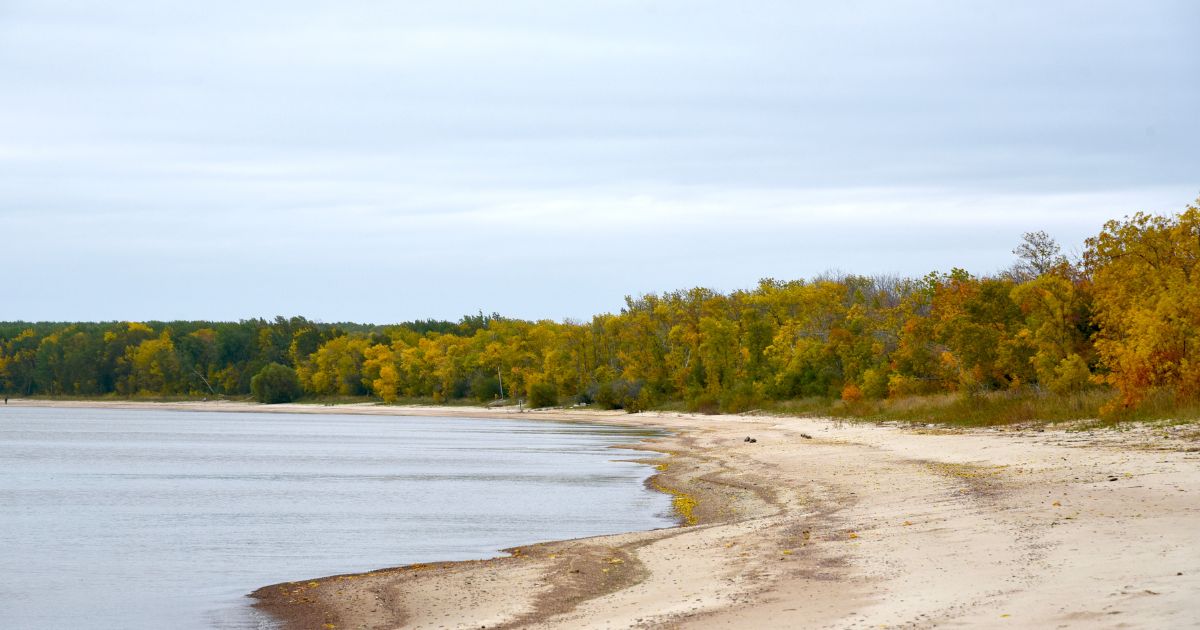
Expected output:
(380, 161)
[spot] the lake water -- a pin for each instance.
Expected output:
(166, 519)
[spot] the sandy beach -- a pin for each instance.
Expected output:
(824, 524)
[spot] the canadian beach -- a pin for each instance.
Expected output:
(819, 523)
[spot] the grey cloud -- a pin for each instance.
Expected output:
(577, 150)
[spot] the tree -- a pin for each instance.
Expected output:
(18, 363)
(197, 356)
(380, 370)
(1055, 312)
(1146, 282)
(485, 387)
(1039, 255)
(336, 368)
(274, 384)
(153, 366)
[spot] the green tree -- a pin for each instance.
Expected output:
(542, 394)
(485, 387)
(274, 384)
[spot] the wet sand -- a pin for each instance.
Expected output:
(822, 524)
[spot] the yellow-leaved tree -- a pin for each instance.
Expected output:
(336, 368)
(1146, 281)
(153, 366)
(1055, 312)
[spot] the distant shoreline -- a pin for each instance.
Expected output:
(363, 408)
(818, 523)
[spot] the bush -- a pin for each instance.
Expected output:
(702, 402)
(1071, 375)
(542, 394)
(741, 397)
(460, 388)
(645, 400)
(875, 383)
(617, 394)
(485, 387)
(851, 394)
(275, 383)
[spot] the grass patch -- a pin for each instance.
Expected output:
(1012, 407)
(981, 409)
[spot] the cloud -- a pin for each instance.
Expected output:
(544, 159)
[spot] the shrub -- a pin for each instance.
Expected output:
(485, 387)
(875, 383)
(618, 394)
(1071, 375)
(703, 402)
(460, 388)
(542, 394)
(851, 394)
(646, 399)
(741, 397)
(275, 383)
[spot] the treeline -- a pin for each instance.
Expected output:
(1125, 316)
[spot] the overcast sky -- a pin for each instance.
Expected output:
(385, 161)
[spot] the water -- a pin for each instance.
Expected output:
(166, 519)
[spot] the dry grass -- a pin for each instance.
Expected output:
(996, 408)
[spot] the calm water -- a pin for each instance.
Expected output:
(166, 519)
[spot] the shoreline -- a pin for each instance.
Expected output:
(821, 524)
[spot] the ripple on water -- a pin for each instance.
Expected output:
(160, 518)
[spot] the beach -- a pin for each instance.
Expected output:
(819, 523)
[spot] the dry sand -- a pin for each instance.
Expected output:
(821, 524)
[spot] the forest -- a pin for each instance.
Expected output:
(1114, 330)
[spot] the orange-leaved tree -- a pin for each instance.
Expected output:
(1146, 280)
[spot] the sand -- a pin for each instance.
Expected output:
(824, 524)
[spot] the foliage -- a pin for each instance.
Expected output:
(275, 383)
(617, 394)
(485, 387)
(1126, 319)
(1146, 278)
(1038, 255)
(542, 394)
